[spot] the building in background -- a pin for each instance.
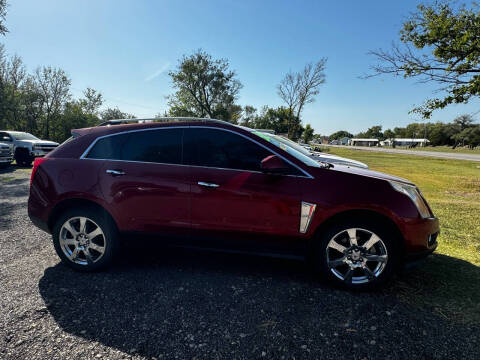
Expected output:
(363, 142)
(405, 142)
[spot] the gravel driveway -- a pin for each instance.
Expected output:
(182, 304)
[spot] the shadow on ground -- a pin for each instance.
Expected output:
(188, 303)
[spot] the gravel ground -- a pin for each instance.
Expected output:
(181, 304)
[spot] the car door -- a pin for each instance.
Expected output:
(232, 200)
(143, 181)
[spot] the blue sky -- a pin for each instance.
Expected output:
(126, 48)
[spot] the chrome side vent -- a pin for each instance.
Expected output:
(306, 215)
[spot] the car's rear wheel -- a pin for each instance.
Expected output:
(85, 239)
(357, 254)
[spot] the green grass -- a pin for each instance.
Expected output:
(458, 150)
(449, 282)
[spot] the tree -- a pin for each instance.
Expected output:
(205, 87)
(277, 119)
(54, 89)
(463, 121)
(388, 134)
(3, 16)
(92, 101)
(300, 88)
(307, 134)
(249, 116)
(340, 134)
(114, 114)
(439, 45)
(375, 132)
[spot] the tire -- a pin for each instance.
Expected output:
(341, 262)
(88, 250)
(23, 157)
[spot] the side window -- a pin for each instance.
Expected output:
(4, 137)
(108, 148)
(222, 149)
(156, 146)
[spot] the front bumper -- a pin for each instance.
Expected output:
(38, 153)
(7, 160)
(420, 237)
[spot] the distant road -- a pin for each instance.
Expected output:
(434, 154)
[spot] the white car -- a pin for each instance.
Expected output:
(316, 155)
(6, 154)
(26, 147)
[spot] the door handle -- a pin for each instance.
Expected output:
(210, 185)
(115, 172)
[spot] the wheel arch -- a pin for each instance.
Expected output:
(362, 214)
(70, 203)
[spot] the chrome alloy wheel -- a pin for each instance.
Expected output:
(356, 256)
(82, 240)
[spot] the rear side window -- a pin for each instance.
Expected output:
(222, 149)
(156, 146)
(108, 148)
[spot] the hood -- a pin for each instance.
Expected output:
(334, 159)
(369, 173)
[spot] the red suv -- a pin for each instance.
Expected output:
(213, 184)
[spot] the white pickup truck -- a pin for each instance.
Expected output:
(6, 154)
(26, 147)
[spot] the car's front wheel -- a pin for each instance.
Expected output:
(23, 157)
(85, 239)
(358, 254)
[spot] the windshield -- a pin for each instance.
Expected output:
(286, 145)
(23, 136)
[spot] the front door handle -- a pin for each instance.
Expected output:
(210, 185)
(115, 172)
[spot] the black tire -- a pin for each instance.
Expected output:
(338, 231)
(110, 236)
(23, 157)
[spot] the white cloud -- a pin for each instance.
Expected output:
(158, 72)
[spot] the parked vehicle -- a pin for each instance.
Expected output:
(26, 147)
(316, 155)
(213, 184)
(6, 154)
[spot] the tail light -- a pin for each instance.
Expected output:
(36, 164)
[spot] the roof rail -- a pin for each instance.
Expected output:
(159, 119)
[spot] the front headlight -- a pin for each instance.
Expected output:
(414, 194)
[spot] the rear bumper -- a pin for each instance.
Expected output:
(41, 224)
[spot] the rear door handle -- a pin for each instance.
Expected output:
(115, 172)
(210, 185)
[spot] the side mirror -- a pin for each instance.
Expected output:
(274, 165)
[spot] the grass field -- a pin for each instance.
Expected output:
(458, 150)
(449, 281)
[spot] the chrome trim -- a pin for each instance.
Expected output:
(115, 172)
(306, 214)
(210, 185)
(85, 153)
